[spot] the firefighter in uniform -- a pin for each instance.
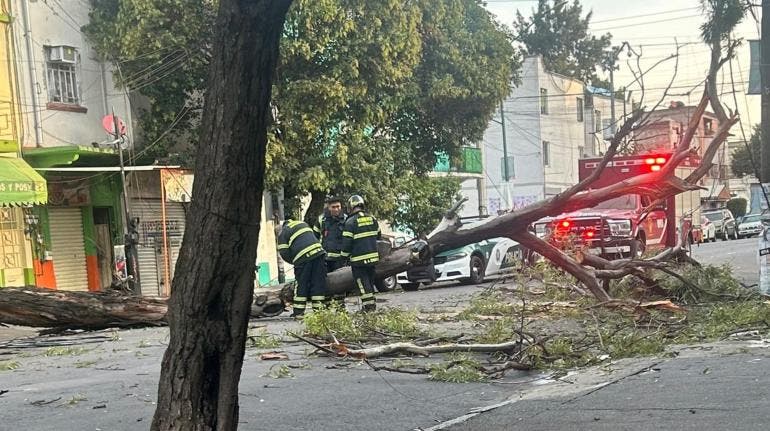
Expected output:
(359, 244)
(298, 245)
(328, 229)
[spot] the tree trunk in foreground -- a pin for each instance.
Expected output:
(212, 289)
(57, 309)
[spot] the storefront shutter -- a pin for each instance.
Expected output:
(67, 248)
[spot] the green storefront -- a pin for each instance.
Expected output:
(20, 188)
(83, 219)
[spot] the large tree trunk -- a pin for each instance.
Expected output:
(212, 288)
(58, 309)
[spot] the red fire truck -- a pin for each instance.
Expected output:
(627, 225)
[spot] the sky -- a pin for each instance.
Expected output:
(653, 27)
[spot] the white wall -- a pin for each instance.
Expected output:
(525, 131)
(52, 25)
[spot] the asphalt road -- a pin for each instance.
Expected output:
(742, 255)
(110, 382)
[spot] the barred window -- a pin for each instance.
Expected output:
(62, 74)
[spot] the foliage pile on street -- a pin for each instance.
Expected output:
(535, 320)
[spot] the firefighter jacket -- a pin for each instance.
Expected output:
(329, 230)
(297, 244)
(360, 239)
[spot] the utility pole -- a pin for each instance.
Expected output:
(130, 234)
(764, 70)
(506, 174)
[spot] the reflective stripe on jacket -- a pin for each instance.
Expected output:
(359, 239)
(297, 244)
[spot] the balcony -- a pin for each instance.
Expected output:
(467, 165)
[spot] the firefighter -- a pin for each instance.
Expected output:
(298, 245)
(359, 245)
(328, 229)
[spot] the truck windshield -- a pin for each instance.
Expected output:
(626, 202)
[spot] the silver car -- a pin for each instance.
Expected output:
(750, 225)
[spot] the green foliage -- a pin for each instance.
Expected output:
(9, 365)
(460, 368)
(65, 351)
(497, 331)
(332, 320)
(741, 161)
(353, 327)
(559, 32)
(391, 321)
(718, 321)
(423, 203)
(366, 92)
(263, 340)
(722, 16)
(704, 284)
(487, 305)
(737, 206)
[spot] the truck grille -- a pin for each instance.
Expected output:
(588, 228)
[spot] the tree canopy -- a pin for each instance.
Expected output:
(741, 161)
(558, 31)
(366, 93)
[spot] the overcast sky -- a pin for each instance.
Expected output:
(655, 25)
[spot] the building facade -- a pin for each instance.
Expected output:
(532, 146)
(21, 188)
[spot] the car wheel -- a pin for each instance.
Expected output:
(477, 270)
(410, 287)
(386, 284)
(637, 248)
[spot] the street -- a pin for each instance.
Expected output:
(740, 254)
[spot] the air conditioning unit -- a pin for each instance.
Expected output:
(63, 54)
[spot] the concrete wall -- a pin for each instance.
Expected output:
(63, 125)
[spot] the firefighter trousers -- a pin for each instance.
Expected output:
(311, 285)
(364, 277)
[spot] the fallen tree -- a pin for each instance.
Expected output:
(58, 309)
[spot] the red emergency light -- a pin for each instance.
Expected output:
(660, 160)
(590, 234)
(655, 168)
(565, 223)
(649, 161)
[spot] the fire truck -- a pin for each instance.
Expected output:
(628, 225)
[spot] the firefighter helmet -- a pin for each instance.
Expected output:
(355, 201)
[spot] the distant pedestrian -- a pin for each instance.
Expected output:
(299, 246)
(360, 237)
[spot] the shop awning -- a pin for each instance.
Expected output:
(70, 155)
(20, 185)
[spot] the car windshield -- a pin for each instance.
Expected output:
(713, 216)
(751, 219)
(626, 202)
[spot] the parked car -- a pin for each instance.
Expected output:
(470, 264)
(709, 229)
(750, 225)
(724, 223)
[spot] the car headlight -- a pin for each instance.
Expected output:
(456, 256)
(620, 227)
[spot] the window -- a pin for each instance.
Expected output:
(511, 171)
(708, 128)
(544, 101)
(546, 153)
(598, 121)
(579, 103)
(62, 76)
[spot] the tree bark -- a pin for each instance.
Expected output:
(58, 309)
(212, 287)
